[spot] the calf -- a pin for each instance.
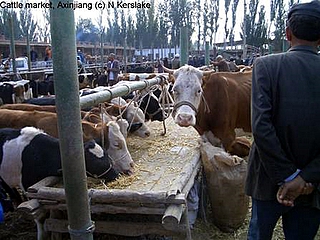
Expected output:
(108, 133)
(28, 155)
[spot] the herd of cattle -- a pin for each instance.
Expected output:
(215, 104)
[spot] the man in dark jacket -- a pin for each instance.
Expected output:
(113, 69)
(284, 162)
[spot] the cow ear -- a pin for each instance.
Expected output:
(176, 73)
(171, 78)
(205, 79)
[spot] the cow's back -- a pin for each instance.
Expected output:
(29, 107)
(19, 119)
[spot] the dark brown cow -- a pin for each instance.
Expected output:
(218, 103)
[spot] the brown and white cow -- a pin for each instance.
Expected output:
(217, 103)
(113, 139)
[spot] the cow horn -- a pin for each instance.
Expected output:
(168, 70)
(207, 73)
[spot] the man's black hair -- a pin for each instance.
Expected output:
(305, 27)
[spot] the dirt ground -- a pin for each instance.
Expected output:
(20, 226)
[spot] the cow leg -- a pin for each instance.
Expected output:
(228, 140)
(240, 147)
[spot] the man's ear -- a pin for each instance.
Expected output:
(288, 34)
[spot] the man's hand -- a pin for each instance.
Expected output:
(289, 191)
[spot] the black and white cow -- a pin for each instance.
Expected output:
(150, 105)
(28, 155)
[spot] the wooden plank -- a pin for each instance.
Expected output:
(111, 209)
(191, 179)
(184, 176)
(48, 193)
(48, 181)
(108, 196)
(117, 228)
(29, 206)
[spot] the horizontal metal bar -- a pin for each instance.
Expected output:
(117, 91)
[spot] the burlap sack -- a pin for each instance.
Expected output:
(225, 175)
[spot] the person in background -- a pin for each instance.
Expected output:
(221, 63)
(159, 66)
(48, 53)
(176, 62)
(81, 56)
(284, 162)
(113, 69)
(33, 55)
(166, 62)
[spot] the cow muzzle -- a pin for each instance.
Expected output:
(184, 113)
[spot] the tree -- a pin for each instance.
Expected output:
(152, 26)
(234, 16)
(211, 20)
(45, 34)
(226, 11)
(123, 28)
(5, 16)
(164, 27)
(27, 24)
(198, 19)
(115, 28)
(279, 33)
(86, 31)
(250, 19)
(174, 16)
(141, 28)
(131, 36)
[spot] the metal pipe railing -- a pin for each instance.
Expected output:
(123, 89)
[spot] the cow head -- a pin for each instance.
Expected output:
(187, 93)
(118, 150)
(136, 119)
(98, 163)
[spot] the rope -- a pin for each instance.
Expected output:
(206, 106)
(179, 104)
(100, 175)
(102, 125)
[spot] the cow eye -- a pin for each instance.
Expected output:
(118, 145)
